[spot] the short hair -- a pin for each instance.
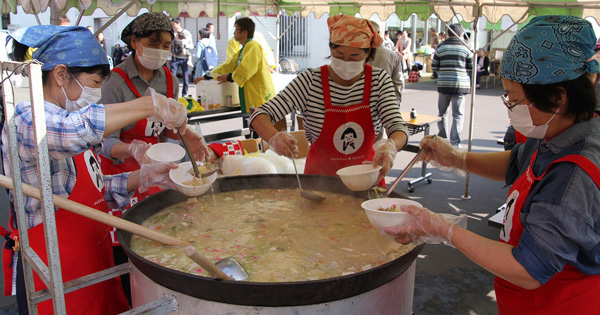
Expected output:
(457, 28)
(64, 17)
(246, 24)
(208, 25)
(432, 29)
(386, 33)
(204, 33)
(176, 20)
(581, 97)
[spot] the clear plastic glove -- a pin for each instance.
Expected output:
(167, 110)
(156, 175)
(282, 142)
(197, 145)
(441, 154)
(137, 149)
(428, 227)
(385, 153)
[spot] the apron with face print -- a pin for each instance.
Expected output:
(143, 130)
(567, 292)
(347, 135)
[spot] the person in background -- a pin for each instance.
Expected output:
(453, 62)
(442, 36)
(199, 73)
(389, 61)
(73, 70)
(212, 39)
(90, 28)
(403, 48)
(483, 63)
(64, 20)
(117, 54)
(547, 260)
(346, 97)
(249, 70)
(180, 52)
(149, 37)
(387, 42)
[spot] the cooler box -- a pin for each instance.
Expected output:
(219, 92)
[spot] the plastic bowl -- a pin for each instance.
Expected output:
(381, 219)
(182, 174)
(165, 153)
(359, 177)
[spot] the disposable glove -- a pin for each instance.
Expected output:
(167, 110)
(137, 149)
(282, 142)
(156, 175)
(197, 145)
(441, 154)
(428, 227)
(385, 153)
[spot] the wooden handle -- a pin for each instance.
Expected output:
(201, 260)
(98, 215)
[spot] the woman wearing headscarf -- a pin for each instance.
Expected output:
(344, 105)
(73, 69)
(149, 38)
(547, 260)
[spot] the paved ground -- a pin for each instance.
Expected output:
(447, 282)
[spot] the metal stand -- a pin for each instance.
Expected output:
(50, 274)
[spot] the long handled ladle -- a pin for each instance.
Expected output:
(194, 170)
(379, 192)
(235, 269)
(306, 194)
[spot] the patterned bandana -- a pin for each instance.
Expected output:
(347, 30)
(145, 24)
(550, 49)
(73, 46)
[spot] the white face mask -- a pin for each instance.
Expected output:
(520, 119)
(88, 96)
(152, 58)
(347, 70)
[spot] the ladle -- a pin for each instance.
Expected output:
(306, 194)
(227, 269)
(189, 153)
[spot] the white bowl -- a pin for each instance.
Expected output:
(381, 219)
(165, 153)
(359, 177)
(181, 174)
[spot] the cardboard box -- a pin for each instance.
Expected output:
(219, 92)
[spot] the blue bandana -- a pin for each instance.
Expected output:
(550, 49)
(73, 46)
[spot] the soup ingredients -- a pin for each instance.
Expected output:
(276, 235)
(194, 182)
(393, 208)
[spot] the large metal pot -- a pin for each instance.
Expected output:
(259, 294)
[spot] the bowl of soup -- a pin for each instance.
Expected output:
(187, 183)
(385, 212)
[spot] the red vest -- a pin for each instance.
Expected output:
(84, 245)
(143, 130)
(567, 292)
(347, 135)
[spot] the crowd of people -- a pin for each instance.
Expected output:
(108, 115)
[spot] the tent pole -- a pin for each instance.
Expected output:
(114, 18)
(473, 87)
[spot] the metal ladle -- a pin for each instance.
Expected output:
(306, 194)
(379, 192)
(194, 169)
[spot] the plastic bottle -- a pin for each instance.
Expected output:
(204, 101)
(413, 114)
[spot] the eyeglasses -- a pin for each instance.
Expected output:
(510, 105)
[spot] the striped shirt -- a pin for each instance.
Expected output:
(453, 62)
(68, 134)
(305, 95)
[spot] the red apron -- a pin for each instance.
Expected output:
(347, 136)
(569, 291)
(143, 130)
(84, 245)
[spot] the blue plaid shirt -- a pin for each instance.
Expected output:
(68, 134)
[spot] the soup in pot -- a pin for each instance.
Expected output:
(276, 235)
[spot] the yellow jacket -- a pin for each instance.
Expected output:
(252, 74)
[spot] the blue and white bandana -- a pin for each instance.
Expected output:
(73, 46)
(550, 49)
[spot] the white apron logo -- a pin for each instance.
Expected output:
(153, 129)
(508, 215)
(348, 138)
(93, 168)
